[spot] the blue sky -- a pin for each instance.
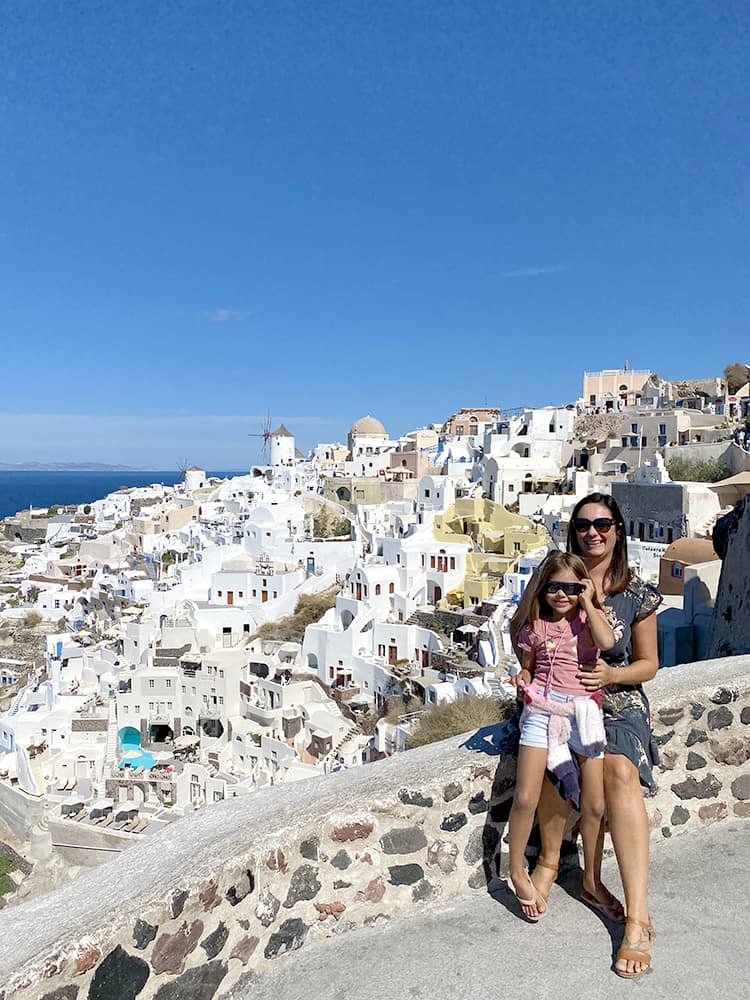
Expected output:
(326, 209)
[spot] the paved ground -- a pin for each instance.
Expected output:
(477, 948)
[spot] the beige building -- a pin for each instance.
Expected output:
(680, 554)
(470, 422)
(614, 388)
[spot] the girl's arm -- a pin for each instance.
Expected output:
(603, 635)
(528, 660)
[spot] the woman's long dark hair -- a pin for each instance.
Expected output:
(618, 574)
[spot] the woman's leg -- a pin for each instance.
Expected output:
(628, 828)
(592, 815)
(532, 762)
(552, 813)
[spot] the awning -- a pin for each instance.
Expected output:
(467, 629)
(183, 742)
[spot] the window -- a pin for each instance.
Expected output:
(124, 709)
(151, 682)
(255, 593)
(644, 441)
(242, 594)
(137, 709)
(168, 682)
(677, 570)
(151, 706)
(426, 493)
(662, 428)
(625, 442)
(391, 588)
(511, 487)
(377, 590)
(275, 594)
(453, 562)
(184, 689)
(634, 428)
(634, 442)
(221, 673)
(381, 649)
(218, 592)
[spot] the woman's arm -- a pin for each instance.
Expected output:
(642, 667)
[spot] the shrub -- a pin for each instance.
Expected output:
(87, 508)
(310, 608)
(329, 525)
(457, 717)
(53, 511)
(31, 619)
(736, 376)
(705, 470)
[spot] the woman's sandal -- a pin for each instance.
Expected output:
(541, 863)
(638, 951)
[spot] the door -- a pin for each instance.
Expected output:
(230, 597)
(263, 596)
(392, 654)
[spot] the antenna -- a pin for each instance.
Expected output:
(265, 433)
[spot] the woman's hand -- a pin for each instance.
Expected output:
(598, 677)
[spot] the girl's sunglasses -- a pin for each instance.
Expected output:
(571, 589)
(602, 524)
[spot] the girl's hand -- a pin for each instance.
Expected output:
(524, 676)
(589, 592)
(597, 677)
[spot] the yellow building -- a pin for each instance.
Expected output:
(501, 538)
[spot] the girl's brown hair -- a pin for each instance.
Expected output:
(533, 604)
(618, 574)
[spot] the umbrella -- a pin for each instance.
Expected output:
(468, 629)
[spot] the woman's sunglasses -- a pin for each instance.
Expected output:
(571, 589)
(602, 524)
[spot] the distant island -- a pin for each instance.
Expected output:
(71, 467)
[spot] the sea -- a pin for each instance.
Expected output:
(20, 489)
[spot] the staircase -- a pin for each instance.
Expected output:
(111, 752)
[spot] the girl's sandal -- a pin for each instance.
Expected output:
(638, 951)
(613, 910)
(528, 902)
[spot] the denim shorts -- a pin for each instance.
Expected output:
(536, 726)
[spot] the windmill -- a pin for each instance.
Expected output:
(265, 433)
(182, 467)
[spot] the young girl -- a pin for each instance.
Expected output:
(560, 630)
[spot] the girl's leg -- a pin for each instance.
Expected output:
(592, 815)
(532, 762)
(628, 828)
(552, 812)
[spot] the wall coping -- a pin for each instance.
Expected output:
(194, 849)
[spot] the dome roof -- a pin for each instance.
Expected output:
(691, 550)
(368, 427)
(239, 564)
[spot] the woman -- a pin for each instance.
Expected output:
(597, 534)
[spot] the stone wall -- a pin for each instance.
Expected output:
(19, 811)
(219, 895)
